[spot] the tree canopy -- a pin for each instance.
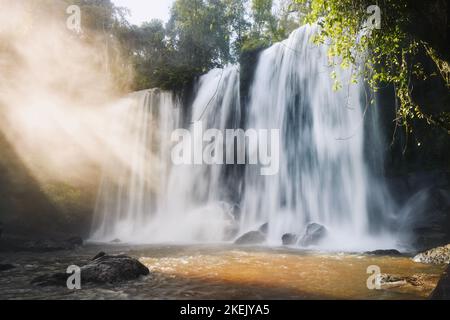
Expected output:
(204, 34)
(392, 54)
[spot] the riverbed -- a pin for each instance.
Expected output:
(221, 272)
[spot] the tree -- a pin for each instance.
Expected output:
(149, 53)
(264, 20)
(237, 17)
(388, 55)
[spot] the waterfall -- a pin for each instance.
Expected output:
(324, 174)
(147, 198)
(135, 179)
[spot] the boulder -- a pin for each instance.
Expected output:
(251, 238)
(113, 268)
(99, 255)
(386, 281)
(439, 255)
(389, 281)
(289, 239)
(103, 269)
(6, 267)
(314, 234)
(264, 229)
(388, 252)
(442, 291)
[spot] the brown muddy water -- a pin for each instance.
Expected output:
(221, 272)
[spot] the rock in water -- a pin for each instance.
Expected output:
(111, 269)
(250, 238)
(389, 252)
(314, 234)
(289, 239)
(387, 281)
(442, 291)
(439, 255)
(99, 255)
(421, 281)
(264, 229)
(104, 269)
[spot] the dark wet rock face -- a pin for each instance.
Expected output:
(52, 245)
(315, 233)
(6, 267)
(439, 255)
(75, 241)
(103, 269)
(99, 255)
(111, 269)
(39, 246)
(289, 239)
(442, 291)
(251, 238)
(425, 199)
(389, 252)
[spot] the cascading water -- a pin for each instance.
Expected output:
(135, 180)
(323, 175)
(184, 203)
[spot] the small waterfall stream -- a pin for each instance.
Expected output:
(323, 177)
(135, 181)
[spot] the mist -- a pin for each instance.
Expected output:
(58, 97)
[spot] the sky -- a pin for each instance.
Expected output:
(146, 10)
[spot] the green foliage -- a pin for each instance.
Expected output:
(238, 23)
(262, 15)
(382, 56)
(198, 31)
(252, 44)
(201, 35)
